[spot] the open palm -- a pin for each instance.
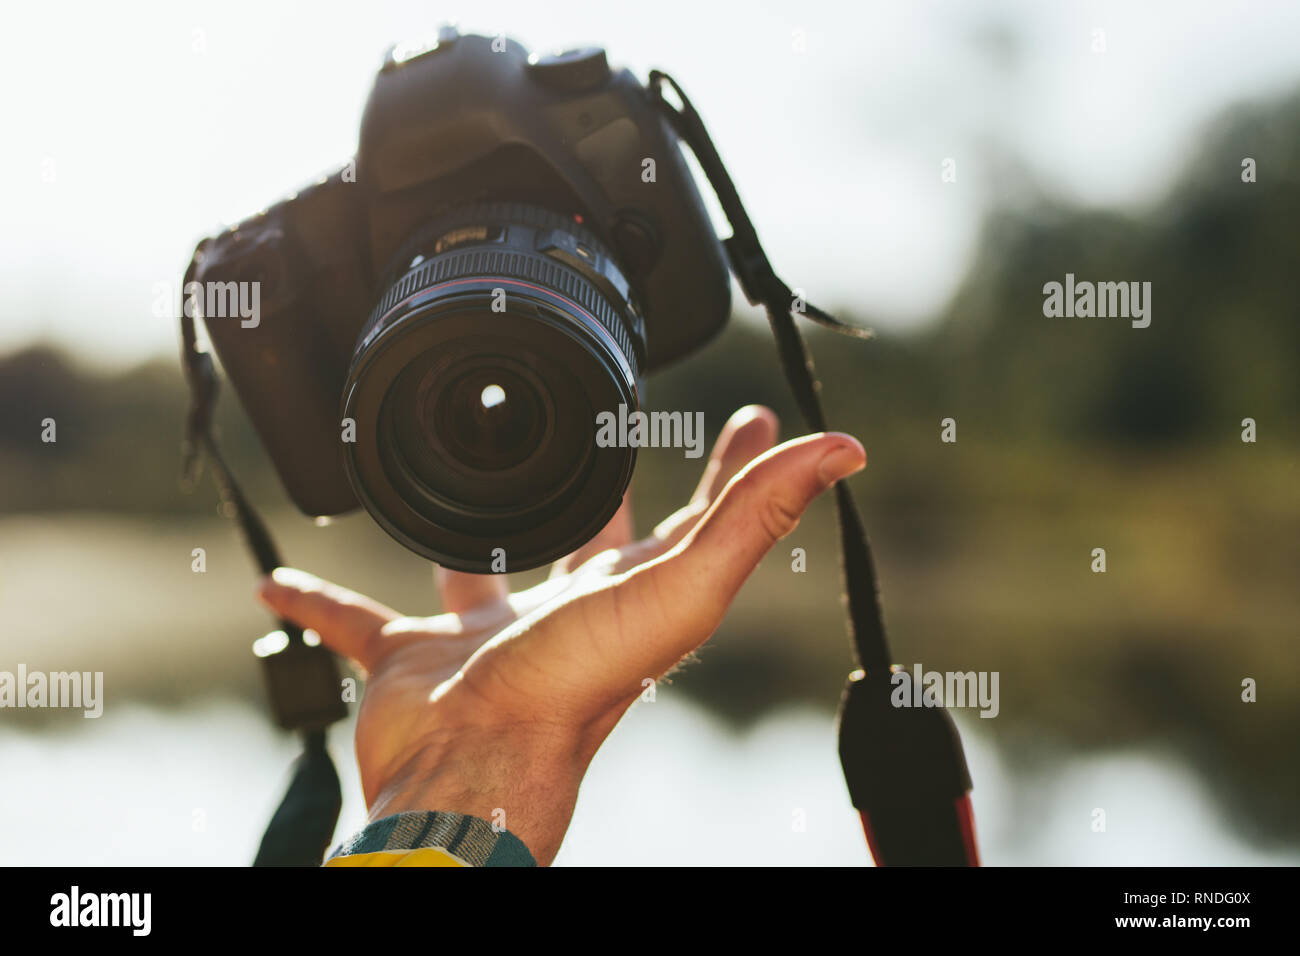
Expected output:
(495, 707)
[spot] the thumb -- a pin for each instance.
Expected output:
(692, 585)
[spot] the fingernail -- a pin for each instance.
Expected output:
(293, 578)
(842, 462)
(743, 416)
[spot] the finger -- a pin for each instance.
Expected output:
(462, 592)
(616, 533)
(748, 433)
(679, 600)
(347, 622)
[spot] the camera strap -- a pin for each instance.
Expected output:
(302, 679)
(905, 767)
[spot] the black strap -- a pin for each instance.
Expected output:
(905, 768)
(300, 831)
(302, 679)
(199, 444)
(762, 287)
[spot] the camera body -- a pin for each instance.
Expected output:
(462, 121)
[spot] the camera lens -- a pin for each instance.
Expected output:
(503, 330)
(486, 424)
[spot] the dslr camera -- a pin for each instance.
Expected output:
(517, 242)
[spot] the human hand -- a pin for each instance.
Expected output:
(499, 704)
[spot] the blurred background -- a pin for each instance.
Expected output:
(1102, 139)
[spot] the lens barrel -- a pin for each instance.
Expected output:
(503, 331)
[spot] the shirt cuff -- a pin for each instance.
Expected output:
(426, 838)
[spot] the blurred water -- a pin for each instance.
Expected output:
(673, 786)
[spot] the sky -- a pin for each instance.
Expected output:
(132, 130)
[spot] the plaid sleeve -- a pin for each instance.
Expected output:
(423, 838)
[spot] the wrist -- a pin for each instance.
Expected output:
(523, 781)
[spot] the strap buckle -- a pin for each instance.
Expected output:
(302, 680)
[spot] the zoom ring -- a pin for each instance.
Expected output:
(509, 261)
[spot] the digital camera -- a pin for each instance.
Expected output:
(518, 241)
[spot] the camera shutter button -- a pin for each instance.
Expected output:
(571, 71)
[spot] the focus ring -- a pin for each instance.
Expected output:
(498, 213)
(491, 262)
(508, 214)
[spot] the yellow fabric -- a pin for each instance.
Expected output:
(424, 856)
